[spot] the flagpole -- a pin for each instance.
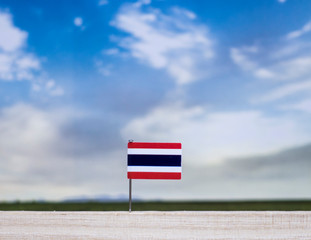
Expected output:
(130, 195)
(130, 187)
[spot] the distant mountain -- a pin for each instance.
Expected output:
(99, 198)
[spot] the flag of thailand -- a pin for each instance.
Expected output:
(154, 160)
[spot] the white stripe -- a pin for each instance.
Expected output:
(149, 151)
(152, 169)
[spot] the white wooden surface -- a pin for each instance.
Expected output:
(155, 225)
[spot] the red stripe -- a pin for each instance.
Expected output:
(154, 145)
(153, 175)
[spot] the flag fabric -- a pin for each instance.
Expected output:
(154, 160)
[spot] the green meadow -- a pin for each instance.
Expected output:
(160, 206)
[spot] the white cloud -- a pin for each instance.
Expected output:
(298, 33)
(289, 50)
(53, 89)
(12, 38)
(289, 62)
(281, 1)
(213, 137)
(78, 21)
(48, 86)
(242, 59)
(304, 106)
(33, 127)
(140, 3)
(103, 69)
(293, 69)
(111, 51)
(264, 73)
(38, 158)
(37, 153)
(103, 2)
(285, 91)
(171, 42)
(16, 64)
(28, 135)
(185, 12)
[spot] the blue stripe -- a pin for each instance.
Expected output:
(154, 160)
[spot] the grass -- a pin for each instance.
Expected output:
(160, 206)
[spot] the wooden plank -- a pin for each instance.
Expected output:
(155, 225)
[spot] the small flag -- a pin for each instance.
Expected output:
(154, 160)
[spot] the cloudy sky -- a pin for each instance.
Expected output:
(231, 80)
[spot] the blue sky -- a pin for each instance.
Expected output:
(228, 79)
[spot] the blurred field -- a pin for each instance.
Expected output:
(160, 206)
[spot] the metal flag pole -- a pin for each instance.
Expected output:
(130, 195)
(130, 188)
